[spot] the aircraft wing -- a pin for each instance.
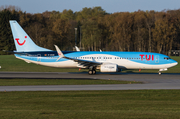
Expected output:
(84, 63)
(81, 63)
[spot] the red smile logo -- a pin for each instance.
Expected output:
(17, 39)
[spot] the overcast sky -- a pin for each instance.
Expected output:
(110, 6)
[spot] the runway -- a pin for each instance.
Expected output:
(150, 81)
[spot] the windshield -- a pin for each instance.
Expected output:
(167, 58)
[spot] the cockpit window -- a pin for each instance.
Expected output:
(167, 58)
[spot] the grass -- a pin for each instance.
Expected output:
(159, 104)
(10, 63)
(19, 82)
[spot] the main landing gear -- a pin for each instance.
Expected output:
(92, 70)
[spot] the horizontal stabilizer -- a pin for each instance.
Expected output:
(13, 52)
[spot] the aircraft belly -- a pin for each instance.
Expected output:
(61, 64)
(68, 64)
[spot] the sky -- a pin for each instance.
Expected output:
(110, 6)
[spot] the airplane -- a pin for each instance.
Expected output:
(106, 61)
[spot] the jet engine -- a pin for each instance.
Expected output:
(109, 68)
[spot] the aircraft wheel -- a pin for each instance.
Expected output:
(159, 73)
(90, 72)
(94, 71)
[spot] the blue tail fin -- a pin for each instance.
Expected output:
(22, 41)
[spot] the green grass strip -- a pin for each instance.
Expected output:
(19, 82)
(144, 104)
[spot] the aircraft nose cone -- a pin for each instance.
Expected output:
(175, 63)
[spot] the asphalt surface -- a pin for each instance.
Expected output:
(150, 81)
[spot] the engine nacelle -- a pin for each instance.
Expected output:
(109, 68)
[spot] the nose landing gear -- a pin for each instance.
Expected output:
(162, 70)
(159, 73)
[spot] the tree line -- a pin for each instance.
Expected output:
(147, 31)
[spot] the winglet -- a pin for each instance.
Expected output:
(59, 52)
(77, 49)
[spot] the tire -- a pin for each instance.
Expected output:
(90, 72)
(94, 71)
(159, 73)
